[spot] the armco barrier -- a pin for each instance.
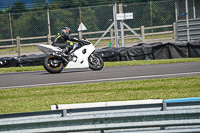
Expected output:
(148, 116)
(194, 29)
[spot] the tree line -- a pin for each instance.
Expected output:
(62, 4)
(30, 22)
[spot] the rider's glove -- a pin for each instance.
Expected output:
(82, 42)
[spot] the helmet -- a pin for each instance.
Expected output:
(66, 30)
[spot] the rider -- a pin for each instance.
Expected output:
(61, 41)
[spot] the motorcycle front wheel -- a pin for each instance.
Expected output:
(53, 64)
(95, 62)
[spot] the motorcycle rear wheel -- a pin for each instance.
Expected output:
(53, 64)
(95, 62)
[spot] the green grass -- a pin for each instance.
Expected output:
(107, 64)
(21, 69)
(41, 98)
(150, 62)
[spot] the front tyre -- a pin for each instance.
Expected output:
(95, 62)
(53, 64)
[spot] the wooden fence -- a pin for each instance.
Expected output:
(142, 31)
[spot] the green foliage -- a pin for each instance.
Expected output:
(160, 13)
(54, 5)
(18, 7)
(33, 22)
(27, 24)
(103, 20)
(4, 26)
(73, 3)
(89, 20)
(62, 18)
(141, 14)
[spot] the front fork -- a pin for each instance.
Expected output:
(94, 60)
(91, 57)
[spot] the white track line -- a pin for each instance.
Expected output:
(100, 80)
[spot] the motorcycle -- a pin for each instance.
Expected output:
(82, 57)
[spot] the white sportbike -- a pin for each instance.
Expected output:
(82, 57)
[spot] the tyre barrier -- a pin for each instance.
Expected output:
(159, 50)
(25, 60)
(142, 51)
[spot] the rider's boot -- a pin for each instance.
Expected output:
(66, 55)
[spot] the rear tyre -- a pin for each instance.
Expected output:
(95, 62)
(53, 64)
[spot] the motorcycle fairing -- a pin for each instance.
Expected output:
(82, 55)
(48, 49)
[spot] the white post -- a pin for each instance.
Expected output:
(121, 24)
(111, 36)
(176, 10)
(174, 30)
(80, 14)
(194, 9)
(49, 27)
(187, 20)
(142, 32)
(115, 22)
(151, 14)
(11, 32)
(48, 39)
(18, 46)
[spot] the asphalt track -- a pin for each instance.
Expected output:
(43, 78)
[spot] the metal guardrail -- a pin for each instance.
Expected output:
(149, 116)
(182, 29)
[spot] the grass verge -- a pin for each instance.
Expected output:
(40, 98)
(107, 64)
